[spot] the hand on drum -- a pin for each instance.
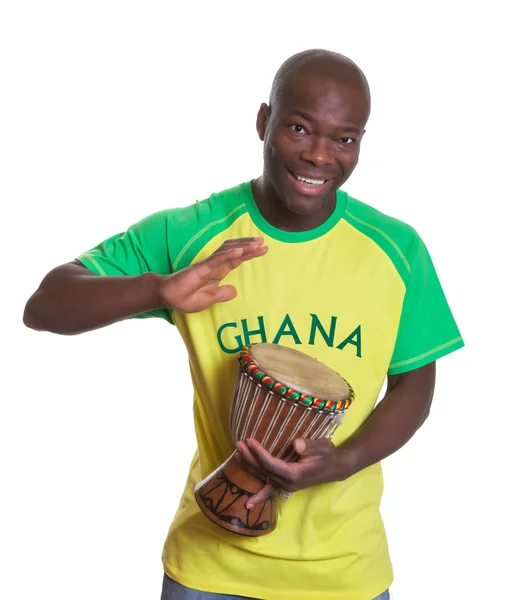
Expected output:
(315, 466)
(197, 287)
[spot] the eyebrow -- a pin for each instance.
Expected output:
(303, 115)
(308, 117)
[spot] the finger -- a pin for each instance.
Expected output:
(233, 264)
(251, 465)
(229, 258)
(249, 459)
(247, 246)
(223, 256)
(243, 240)
(225, 293)
(262, 495)
(307, 447)
(276, 467)
(249, 251)
(217, 265)
(250, 246)
(248, 255)
(252, 250)
(249, 469)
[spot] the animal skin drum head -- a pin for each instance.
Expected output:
(299, 371)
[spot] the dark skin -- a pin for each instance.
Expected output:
(394, 421)
(313, 128)
(71, 299)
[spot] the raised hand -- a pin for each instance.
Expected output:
(197, 287)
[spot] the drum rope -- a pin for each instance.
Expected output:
(283, 427)
(293, 434)
(241, 400)
(271, 426)
(233, 409)
(261, 414)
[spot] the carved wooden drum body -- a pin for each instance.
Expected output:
(281, 394)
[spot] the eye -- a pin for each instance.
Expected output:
(297, 128)
(347, 141)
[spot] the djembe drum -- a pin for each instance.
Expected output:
(281, 394)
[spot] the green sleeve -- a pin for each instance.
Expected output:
(142, 248)
(427, 329)
(167, 241)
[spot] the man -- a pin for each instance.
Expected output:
(336, 279)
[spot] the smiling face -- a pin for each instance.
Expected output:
(312, 136)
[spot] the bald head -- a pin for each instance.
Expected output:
(321, 63)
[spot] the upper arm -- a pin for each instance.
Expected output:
(415, 387)
(143, 247)
(420, 381)
(64, 271)
(76, 262)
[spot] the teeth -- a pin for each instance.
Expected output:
(310, 181)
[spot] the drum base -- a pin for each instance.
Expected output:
(222, 496)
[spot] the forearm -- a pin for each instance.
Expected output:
(391, 425)
(72, 300)
(393, 422)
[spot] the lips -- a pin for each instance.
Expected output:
(309, 180)
(302, 185)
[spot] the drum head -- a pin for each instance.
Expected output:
(299, 371)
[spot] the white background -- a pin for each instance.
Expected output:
(113, 110)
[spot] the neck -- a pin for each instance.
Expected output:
(273, 210)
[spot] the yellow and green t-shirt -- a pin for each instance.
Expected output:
(359, 293)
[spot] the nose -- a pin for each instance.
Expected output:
(318, 152)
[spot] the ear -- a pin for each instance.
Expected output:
(262, 120)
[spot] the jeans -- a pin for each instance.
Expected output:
(171, 590)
